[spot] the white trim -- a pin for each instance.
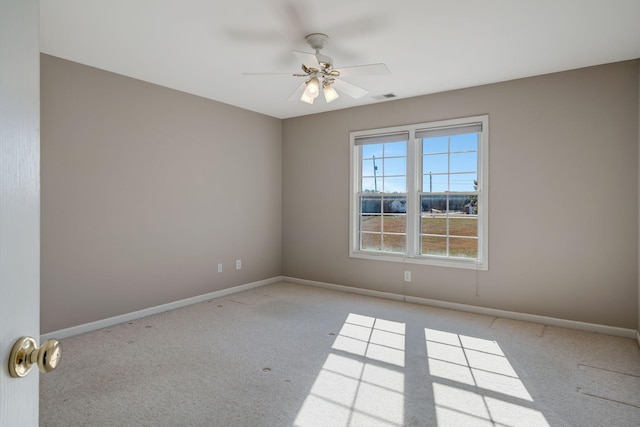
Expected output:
(545, 320)
(348, 289)
(638, 337)
(470, 264)
(111, 321)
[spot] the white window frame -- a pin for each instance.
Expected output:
(414, 177)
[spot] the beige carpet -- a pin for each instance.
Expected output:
(286, 354)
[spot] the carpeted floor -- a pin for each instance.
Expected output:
(285, 354)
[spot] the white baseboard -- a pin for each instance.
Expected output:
(105, 323)
(545, 320)
(552, 321)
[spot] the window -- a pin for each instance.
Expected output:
(419, 193)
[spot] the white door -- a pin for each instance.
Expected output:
(19, 202)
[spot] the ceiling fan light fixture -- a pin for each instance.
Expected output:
(306, 98)
(312, 91)
(330, 93)
(313, 86)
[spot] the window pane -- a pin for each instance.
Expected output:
(465, 248)
(371, 223)
(465, 142)
(371, 242)
(371, 204)
(395, 166)
(435, 183)
(435, 163)
(471, 207)
(392, 149)
(457, 202)
(463, 182)
(433, 204)
(371, 185)
(367, 168)
(434, 224)
(463, 225)
(370, 150)
(395, 185)
(434, 245)
(394, 243)
(438, 144)
(395, 224)
(395, 204)
(464, 162)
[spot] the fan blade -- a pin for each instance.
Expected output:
(308, 59)
(350, 89)
(296, 13)
(298, 92)
(364, 70)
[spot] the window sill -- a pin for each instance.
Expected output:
(468, 264)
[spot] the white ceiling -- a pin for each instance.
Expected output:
(203, 47)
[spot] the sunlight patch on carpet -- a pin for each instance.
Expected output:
(361, 382)
(479, 386)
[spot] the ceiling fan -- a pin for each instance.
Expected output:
(319, 74)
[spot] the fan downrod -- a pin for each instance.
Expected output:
(317, 41)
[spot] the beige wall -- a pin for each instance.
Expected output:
(563, 229)
(145, 190)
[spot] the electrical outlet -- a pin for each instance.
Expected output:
(238, 264)
(407, 276)
(219, 267)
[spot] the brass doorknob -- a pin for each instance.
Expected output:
(25, 353)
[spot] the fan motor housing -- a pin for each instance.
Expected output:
(317, 40)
